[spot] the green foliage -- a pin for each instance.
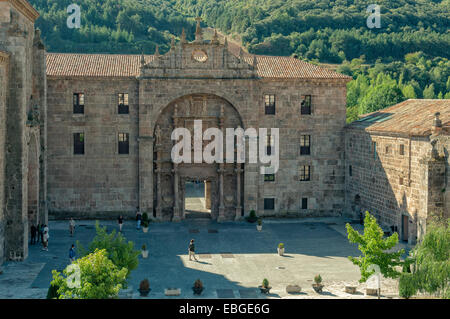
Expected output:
(121, 253)
(431, 270)
(281, 245)
(100, 278)
(52, 292)
(374, 250)
(145, 220)
(144, 285)
(251, 218)
(406, 286)
(265, 283)
(318, 279)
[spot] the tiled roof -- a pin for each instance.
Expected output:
(112, 65)
(411, 117)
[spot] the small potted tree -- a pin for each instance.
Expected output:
(145, 222)
(198, 287)
(144, 251)
(265, 288)
(251, 218)
(281, 249)
(317, 285)
(144, 287)
(259, 225)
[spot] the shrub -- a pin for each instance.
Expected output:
(259, 221)
(121, 253)
(52, 292)
(198, 284)
(251, 218)
(99, 278)
(318, 279)
(145, 220)
(144, 247)
(281, 245)
(144, 285)
(265, 283)
(406, 286)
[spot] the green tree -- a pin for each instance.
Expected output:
(431, 269)
(428, 92)
(121, 253)
(408, 92)
(380, 97)
(374, 249)
(99, 278)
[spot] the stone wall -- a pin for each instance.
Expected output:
(4, 75)
(100, 183)
(390, 185)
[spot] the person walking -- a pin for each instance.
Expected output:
(138, 219)
(120, 220)
(71, 227)
(72, 253)
(33, 234)
(45, 240)
(192, 250)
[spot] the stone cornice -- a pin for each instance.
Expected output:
(25, 8)
(4, 57)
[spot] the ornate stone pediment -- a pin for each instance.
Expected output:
(198, 59)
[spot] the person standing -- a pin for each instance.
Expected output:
(72, 253)
(120, 219)
(138, 219)
(45, 240)
(192, 250)
(71, 227)
(33, 234)
(41, 233)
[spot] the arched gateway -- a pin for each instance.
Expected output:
(224, 181)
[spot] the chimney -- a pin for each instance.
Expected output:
(437, 123)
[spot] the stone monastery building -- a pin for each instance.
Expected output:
(89, 136)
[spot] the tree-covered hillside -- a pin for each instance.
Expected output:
(407, 57)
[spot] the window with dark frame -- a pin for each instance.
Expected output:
(124, 143)
(350, 170)
(305, 173)
(402, 149)
(269, 102)
(269, 177)
(269, 144)
(78, 103)
(305, 145)
(304, 203)
(400, 180)
(78, 143)
(305, 108)
(269, 203)
(123, 104)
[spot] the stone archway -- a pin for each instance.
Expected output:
(33, 181)
(169, 178)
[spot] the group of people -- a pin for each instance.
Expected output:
(40, 233)
(138, 220)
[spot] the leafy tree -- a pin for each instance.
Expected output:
(431, 269)
(374, 249)
(381, 96)
(428, 92)
(99, 278)
(120, 252)
(408, 92)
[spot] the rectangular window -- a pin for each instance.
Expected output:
(78, 103)
(305, 173)
(78, 143)
(269, 144)
(269, 177)
(269, 102)
(123, 104)
(350, 170)
(269, 203)
(124, 143)
(304, 203)
(305, 145)
(400, 180)
(402, 149)
(305, 108)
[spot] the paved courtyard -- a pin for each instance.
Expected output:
(234, 258)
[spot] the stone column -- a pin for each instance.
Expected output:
(207, 195)
(238, 192)
(221, 217)
(176, 207)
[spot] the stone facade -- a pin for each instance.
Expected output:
(198, 80)
(399, 177)
(22, 74)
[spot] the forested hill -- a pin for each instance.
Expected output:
(408, 57)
